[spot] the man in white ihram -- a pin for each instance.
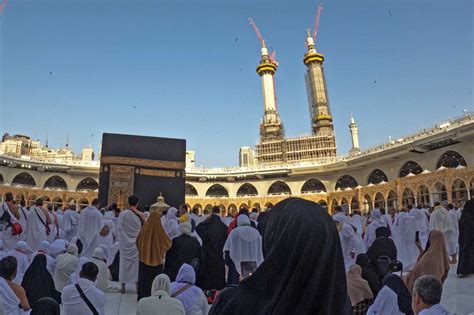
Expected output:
(90, 224)
(84, 297)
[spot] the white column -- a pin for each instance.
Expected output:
(268, 92)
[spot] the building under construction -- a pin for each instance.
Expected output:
(274, 147)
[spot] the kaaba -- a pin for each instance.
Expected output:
(141, 166)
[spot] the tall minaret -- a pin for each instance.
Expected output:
(321, 119)
(354, 136)
(271, 127)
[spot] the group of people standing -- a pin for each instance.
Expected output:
(293, 258)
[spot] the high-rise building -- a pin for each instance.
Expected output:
(190, 159)
(246, 157)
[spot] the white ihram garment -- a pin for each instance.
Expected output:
(70, 223)
(422, 224)
(90, 224)
(73, 303)
(128, 227)
(9, 240)
(9, 299)
(441, 220)
(244, 243)
(23, 221)
(385, 303)
(377, 222)
(454, 245)
(36, 229)
(407, 251)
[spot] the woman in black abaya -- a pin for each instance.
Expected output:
(466, 240)
(303, 271)
(38, 282)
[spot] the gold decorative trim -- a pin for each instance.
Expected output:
(158, 173)
(142, 162)
(121, 184)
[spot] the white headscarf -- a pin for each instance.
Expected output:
(192, 296)
(244, 243)
(385, 303)
(9, 299)
(185, 228)
(440, 220)
(171, 223)
(59, 246)
(70, 256)
(377, 222)
(161, 283)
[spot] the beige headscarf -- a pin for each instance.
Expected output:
(357, 287)
(153, 242)
(434, 260)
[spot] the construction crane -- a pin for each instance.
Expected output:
(3, 5)
(272, 56)
(316, 21)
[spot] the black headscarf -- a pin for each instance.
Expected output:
(382, 232)
(303, 271)
(38, 282)
(261, 220)
(369, 273)
(466, 240)
(46, 306)
(395, 283)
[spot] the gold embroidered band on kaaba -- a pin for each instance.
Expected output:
(142, 162)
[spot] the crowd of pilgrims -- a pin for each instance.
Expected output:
(291, 259)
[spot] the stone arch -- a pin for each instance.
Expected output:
(408, 197)
(244, 206)
(55, 182)
(279, 188)
(459, 191)
(268, 205)
(423, 196)
(208, 207)
(247, 190)
(222, 208)
(410, 167)
(313, 185)
(440, 193)
(451, 159)
(31, 200)
(190, 190)
(368, 206)
(198, 206)
(377, 176)
(1, 178)
(24, 179)
(217, 190)
(392, 201)
(87, 184)
(379, 200)
(346, 181)
(334, 203)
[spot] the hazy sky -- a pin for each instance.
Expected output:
(186, 69)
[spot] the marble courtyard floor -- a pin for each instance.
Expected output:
(458, 297)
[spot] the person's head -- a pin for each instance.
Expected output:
(164, 212)
(183, 209)
(44, 247)
(96, 203)
(243, 220)
(99, 254)
(362, 260)
(244, 211)
(337, 209)
(113, 206)
(22, 203)
(8, 267)
(89, 271)
(45, 306)
(468, 207)
(376, 214)
(427, 292)
(117, 212)
(22, 247)
(205, 212)
(449, 206)
(186, 274)
(50, 208)
(185, 228)
(196, 211)
(382, 232)
(133, 201)
(393, 212)
(161, 283)
(437, 203)
(72, 249)
(382, 211)
(39, 202)
(39, 261)
(216, 210)
(105, 230)
(9, 198)
(409, 207)
(254, 210)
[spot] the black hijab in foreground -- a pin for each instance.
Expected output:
(38, 282)
(303, 271)
(466, 240)
(395, 283)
